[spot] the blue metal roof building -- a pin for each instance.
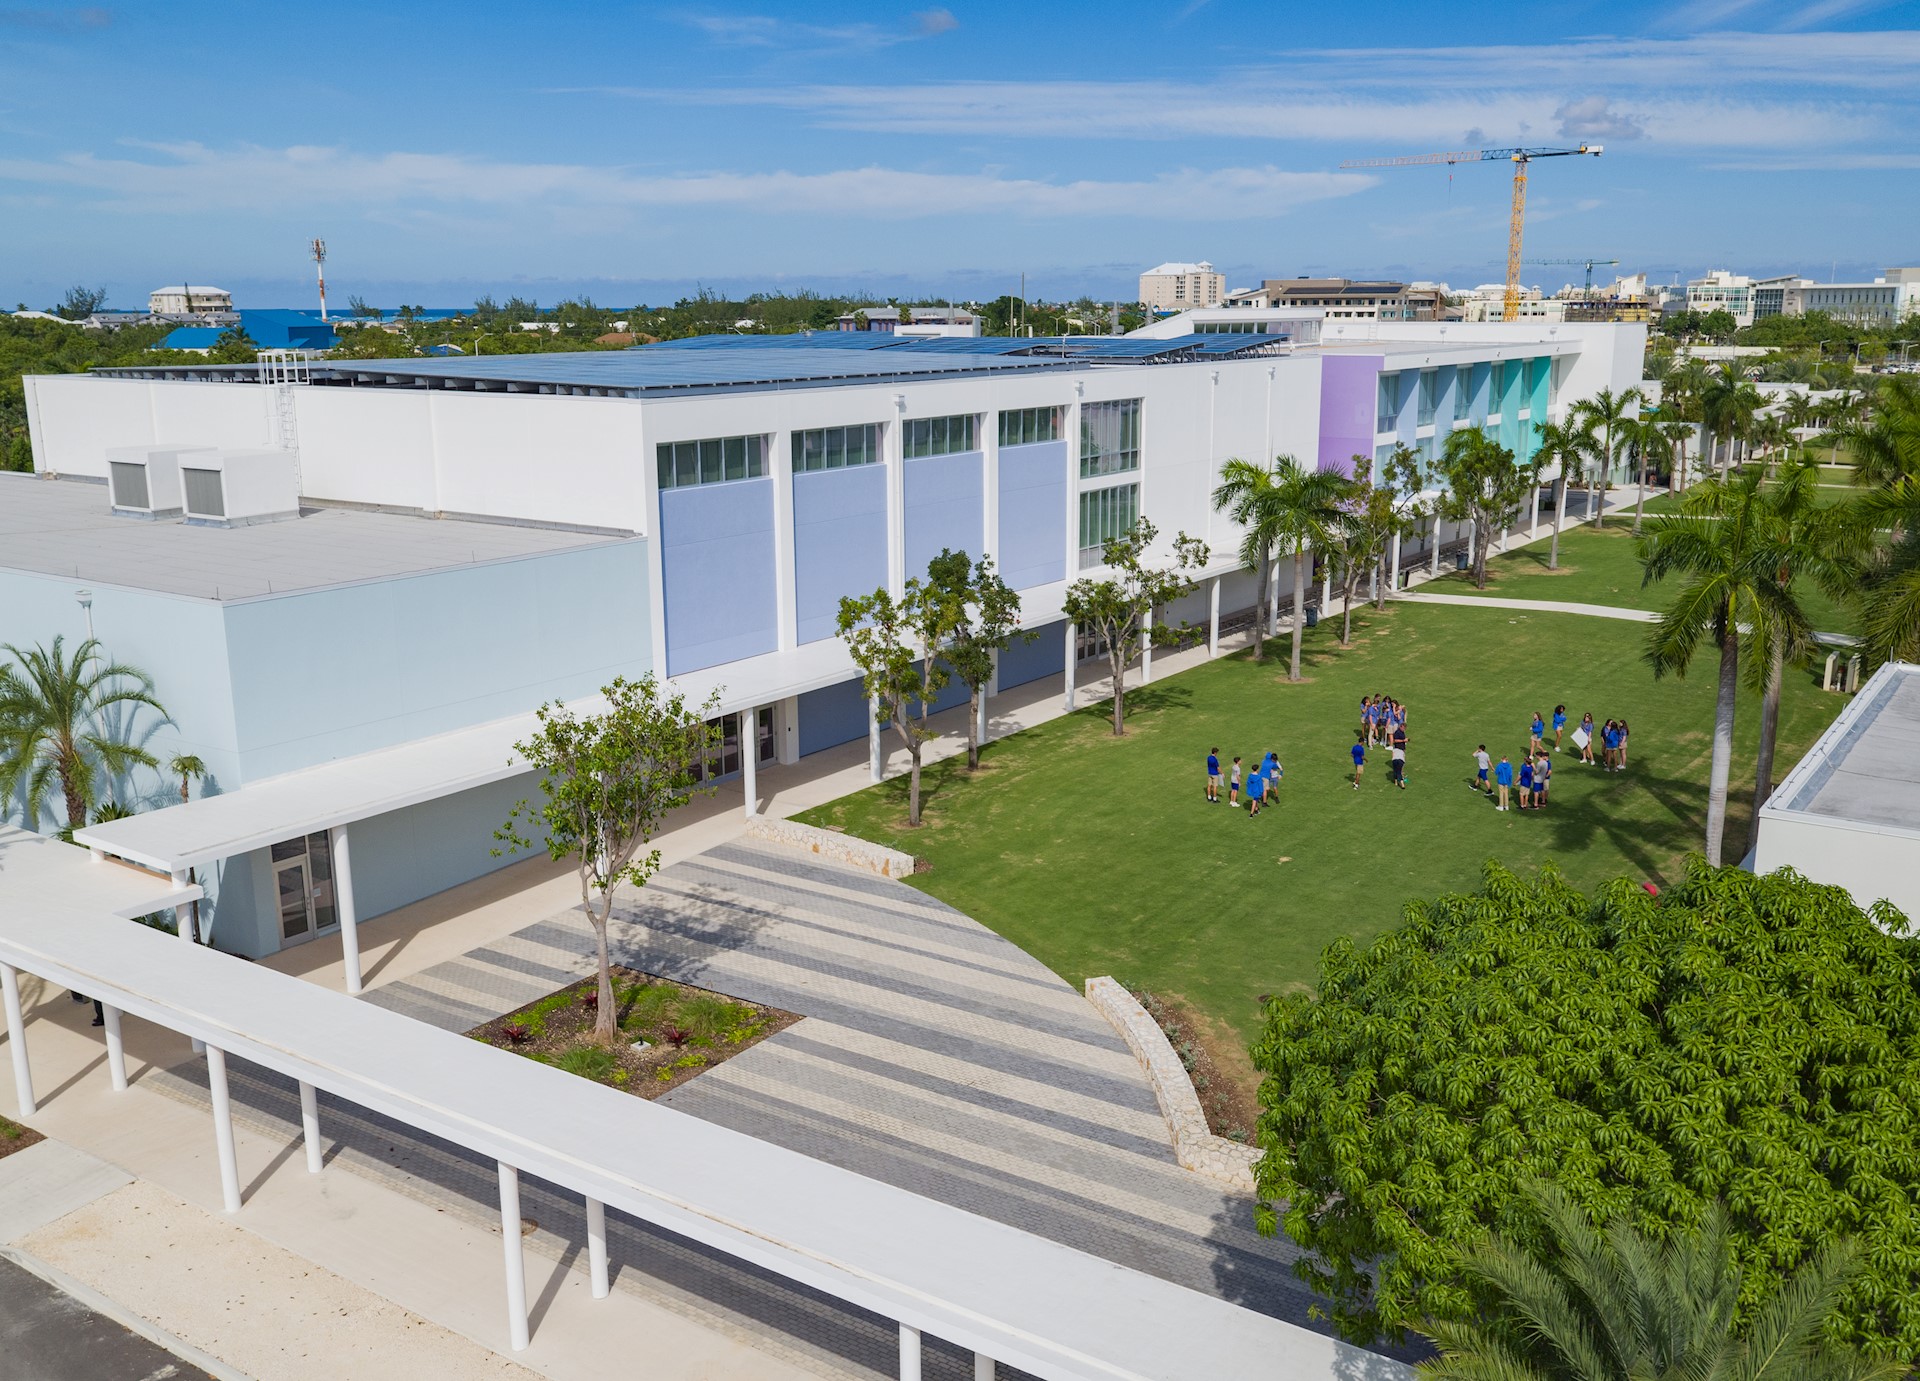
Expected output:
(269, 328)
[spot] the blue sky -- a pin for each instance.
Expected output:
(634, 150)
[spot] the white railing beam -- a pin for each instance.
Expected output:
(516, 1260)
(17, 1040)
(116, 1047)
(223, 1128)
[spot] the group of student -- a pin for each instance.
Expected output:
(1532, 778)
(1263, 783)
(1383, 724)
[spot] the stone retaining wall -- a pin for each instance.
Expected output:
(833, 846)
(1194, 1144)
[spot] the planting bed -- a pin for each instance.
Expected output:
(669, 1031)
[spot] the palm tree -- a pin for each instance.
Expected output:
(1889, 592)
(54, 725)
(1886, 445)
(1727, 550)
(189, 769)
(1289, 508)
(1246, 493)
(1674, 437)
(1609, 413)
(1620, 1305)
(1566, 445)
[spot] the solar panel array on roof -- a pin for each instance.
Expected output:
(653, 370)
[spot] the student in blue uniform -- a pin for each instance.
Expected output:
(1256, 792)
(1503, 781)
(1526, 781)
(1270, 769)
(1559, 725)
(1536, 731)
(1359, 752)
(1213, 776)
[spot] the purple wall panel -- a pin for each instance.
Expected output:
(1349, 388)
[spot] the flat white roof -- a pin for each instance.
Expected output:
(1866, 768)
(1022, 1299)
(41, 875)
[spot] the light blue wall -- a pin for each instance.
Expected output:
(832, 715)
(1046, 655)
(330, 673)
(178, 642)
(839, 543)
(716, 548)
(1482, 388)
(1511, 427)
(1033, 514)
(1539, 378)
(946, 508)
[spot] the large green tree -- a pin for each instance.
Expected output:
(64, 720)
(1289, 509)
(898, 644)
(1751, 1040)
(1119, 605)
(1584, 1304)
(982, 617)
(1607, 417)
(607, 781)
(1485, 485)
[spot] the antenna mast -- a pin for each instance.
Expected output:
(319, 253)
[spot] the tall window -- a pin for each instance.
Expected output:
(1429, 396)
(835, 448)
(1026, 426)
(940, 436)
(1105, 514)
(1389, 418)
(1109, 437)
(1462, 392)
(713, 461)
(1498, 402)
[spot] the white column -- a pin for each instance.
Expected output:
(515, 1260)
(343, 907)
(876, 760)
(909, 1353)
(183, 913)
(1472, 531)
(1533, 517)
(116, 1048)
(983, 1369)
(980, 727)
(1146, 648)
(597, 1247)
(17, 1040)
(1213, 618)
(310, 1125)
(1273, 598)
(1072, 662)
(750, 759)
(223, 1128)
(1326, 588)
(1393, 576)
(1434, 555)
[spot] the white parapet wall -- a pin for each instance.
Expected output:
(833, 846)
(1194, 1144)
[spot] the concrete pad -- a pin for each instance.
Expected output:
(50, 1180)
(250, 1304)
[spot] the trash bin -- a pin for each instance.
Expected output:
(1313, 615)
(1459, 561)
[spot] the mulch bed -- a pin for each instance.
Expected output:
(669, 1031)
(14, 1137)
(1228, 1095)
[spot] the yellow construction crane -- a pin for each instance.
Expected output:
(1520, 158)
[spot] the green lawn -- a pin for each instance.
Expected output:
(1100, 855)
(1602, 568)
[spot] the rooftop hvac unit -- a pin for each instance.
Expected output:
(233, 488)
(144, 481)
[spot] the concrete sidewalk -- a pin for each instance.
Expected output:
(1533, 606)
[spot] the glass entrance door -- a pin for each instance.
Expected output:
(296, 900)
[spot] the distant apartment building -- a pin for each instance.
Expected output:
(1343, 299)
(910, 322)
(1179, 287)
(1722, 291)
(1892, 297)
(1770, 295)
(1488, 302)
(190, 300)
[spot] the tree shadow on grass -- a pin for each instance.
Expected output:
(1575, 827)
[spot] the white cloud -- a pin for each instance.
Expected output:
(766, 31)
(1594, 118)
(935, 22)
(194, 178)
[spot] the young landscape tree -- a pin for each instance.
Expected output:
(1728, 552)
(1119, 606)
(64, 720)
(898, 644)
(1367, 524)
(607, 780)
(1622, 1304)
(982, 617)
(1484, 487)
(1569, 447)
(1607, 417)
(1289, 509)
(1738, 1038)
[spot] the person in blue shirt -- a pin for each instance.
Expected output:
(1536, 731)
(1359, 751)
(1213, 776)
(1274, 772)
(1559, 725)
(1256, 792)
(1526, 783)
(1502, 781)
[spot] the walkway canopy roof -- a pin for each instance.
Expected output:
(42, 877)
